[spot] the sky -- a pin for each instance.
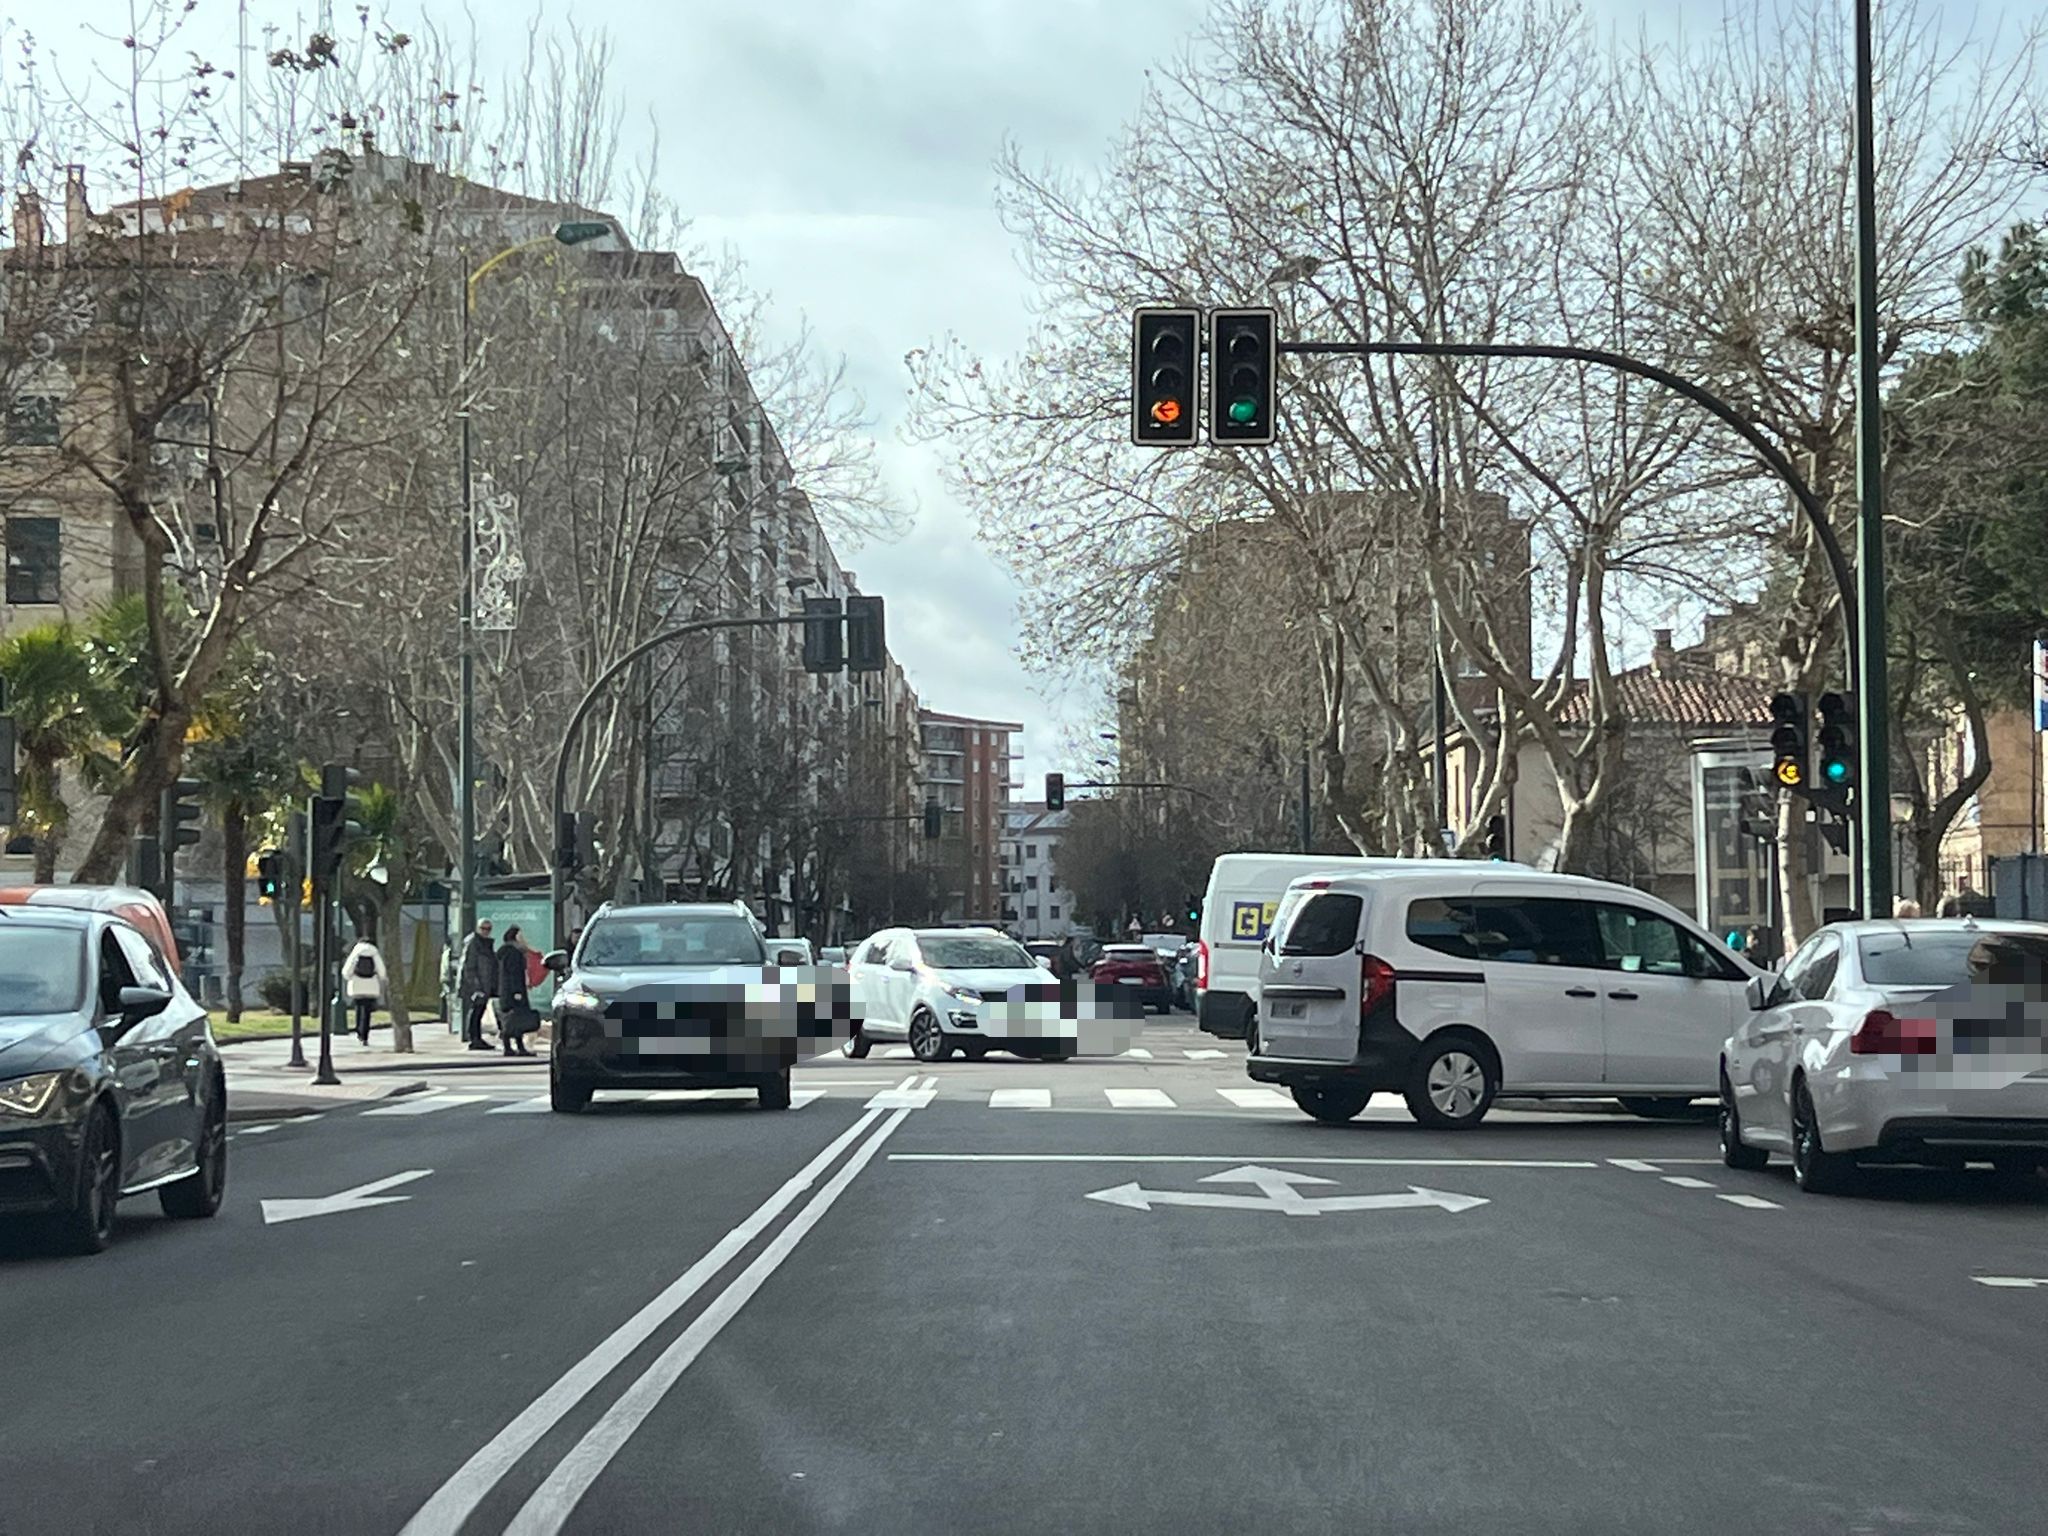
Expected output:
(844, 149)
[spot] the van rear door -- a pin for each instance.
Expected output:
(1309, 978)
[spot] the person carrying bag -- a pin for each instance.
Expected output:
(516, 1015)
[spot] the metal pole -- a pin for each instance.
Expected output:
(1874, 794)
(323, 950)
(297, 982)
(465, 754)
(1307, 813)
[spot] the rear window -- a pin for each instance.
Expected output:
(1325, 924)
(42, 970)
(1949, 958)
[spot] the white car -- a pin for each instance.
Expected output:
(802, 946)
(944, 989)
(1454, 983)
(1916, 1041)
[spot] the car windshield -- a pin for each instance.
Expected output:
(952, 954)
(713, 938)
(1951, 957)
(42, 970)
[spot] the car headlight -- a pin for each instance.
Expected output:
(581, 1000)
(29, 1096)
(964, 994)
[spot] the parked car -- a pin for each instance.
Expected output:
(1893, 1042)
(655, 999)
(798, 946)
(132, 904)
(1137, 966)
(1043, 951)
(935, 988)
(832, 954)
(1455, 983)
(110, 1084)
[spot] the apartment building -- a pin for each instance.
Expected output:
(967, 771)
(1039, 907)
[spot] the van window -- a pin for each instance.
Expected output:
(1325, 924)
(1534, 930)
(1634, 940)
(1444, 926)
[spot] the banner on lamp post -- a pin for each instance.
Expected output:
(2040, 684)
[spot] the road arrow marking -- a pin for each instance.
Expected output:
(1279, 1191)
(2012, 1282)
(357, 1199)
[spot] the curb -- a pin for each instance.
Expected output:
(302, 1106)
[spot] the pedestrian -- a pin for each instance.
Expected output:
(478, 980)
(515, 1007)
(1905, 907)
(366, 983)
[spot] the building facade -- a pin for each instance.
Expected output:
(967, 772)
(1039, 907)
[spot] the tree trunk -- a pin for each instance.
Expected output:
(391, 923)
(234, 842)
(158, 751)
(46, 845)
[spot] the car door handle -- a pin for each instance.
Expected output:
(1626, 997)
(1580, 992)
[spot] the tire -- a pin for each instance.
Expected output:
(199, 1196)
(928, 1040)
(87, 1225)
(1815, 1170)
(1663, 1109)
(1331, 1106)
(565, 1097)
(857, 1045)
(1734, 1154)
(1058, 1056)
(975, 1052)
(1452, 1084)
(774, 1093)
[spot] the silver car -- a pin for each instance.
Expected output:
(1902, 1042)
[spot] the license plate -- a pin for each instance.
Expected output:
(1127, 981)
(1290, 1010)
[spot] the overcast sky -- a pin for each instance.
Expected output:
(844, 149)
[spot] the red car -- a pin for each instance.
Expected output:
(1136, 966)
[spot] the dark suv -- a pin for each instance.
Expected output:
(680, 996)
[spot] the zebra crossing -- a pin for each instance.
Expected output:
(1135, 1053)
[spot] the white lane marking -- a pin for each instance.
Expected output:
(1234, 1158)
(2011, 1282)
(451, 1504)
(427, 1104)
(1751, 1202)
(1690, 1162)
(362, 1197)
(555, 1500)
(255, 1130)
(1020, 1098)
(1139, 1053)
(1257, 1098)
(898, 1052)
(1204, 1055)
(1683, 1181)
(1635, 1165)
(534, 1106)
(1138, 1098)
(1278, 1191)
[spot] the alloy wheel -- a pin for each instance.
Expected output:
(926, 1039)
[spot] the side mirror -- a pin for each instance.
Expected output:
(791, 957)
(1759, 992)
(139, 1003)
(557, 960)
(1045, 962)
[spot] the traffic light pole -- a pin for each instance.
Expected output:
(1874, 791)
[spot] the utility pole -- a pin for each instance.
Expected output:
(1874, 793)
(465, 751)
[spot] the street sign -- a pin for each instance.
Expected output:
(1277, 1191)
(361, 1198)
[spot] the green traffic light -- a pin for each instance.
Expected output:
(1836, 771)
(1244, 412)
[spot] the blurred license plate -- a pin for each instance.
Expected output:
(1127, 981)
(1290, 1010)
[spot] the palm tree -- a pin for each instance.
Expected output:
(390, 858)
(242, 753)
(65, 711)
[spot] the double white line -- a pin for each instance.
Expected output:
(549, 1508)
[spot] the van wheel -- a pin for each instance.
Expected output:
(1331, 1106)
(1452, 1085)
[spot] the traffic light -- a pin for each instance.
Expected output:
(1055, 791)
(1837, 757)
(1165, 377)
(823, 626)
(178, 815)
(332, 829)
(566, 841)
(1242, 364)
(1497, 837)
(1194, 911)
(867, 649)
(269, 875)
(1756, 812)
(1790, 747)
(934, 818)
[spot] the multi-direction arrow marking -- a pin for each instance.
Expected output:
(360, 1198)
(1277, 1192)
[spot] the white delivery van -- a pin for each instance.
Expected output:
(1453, 984)
(1237, 910)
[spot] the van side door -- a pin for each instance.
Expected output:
(1669, 1002)
(1541, 959)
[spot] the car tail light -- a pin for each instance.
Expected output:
(1375, 984)
(1884, 1033)
(1202, 965)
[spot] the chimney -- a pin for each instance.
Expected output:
(77, 215)
(28, 226)
(1662, 657)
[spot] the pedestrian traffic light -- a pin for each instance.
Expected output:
(824, 627)
(1790, 747)
(934, 818)
(1242, 364)
(867, 648)
(1497, 837)
(1837, 740)
(269, 875)
(1055, 791)
(1165, 377)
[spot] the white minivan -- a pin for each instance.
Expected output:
(1452, 984)
(1237, 910)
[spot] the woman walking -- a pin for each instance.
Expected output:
(365, 982)
(515, 1008)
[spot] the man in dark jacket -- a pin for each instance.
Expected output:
(477, 981)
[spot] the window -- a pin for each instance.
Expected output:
(1811, 970)
(1820, 971)
(1951, 959)
(1053, 913)
(1534, 930)
(1031, 882)
(34, 559)
(32, 421)
(1031, 850)
(1634, 940)
(1444, 926)
(42, 970)
(1032, 913)
(142, 959)
(1325, 924)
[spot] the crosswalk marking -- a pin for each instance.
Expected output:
(898, 1052)
(255, 1130)
(426, 1104)
(1633, 1164)
(1257, 1098)
(1139, 1053)
(1685, 1181)
(1751, 1202)
(1020, 1098)
(534, 1106)
(1138, 1098)
(1204, 1055)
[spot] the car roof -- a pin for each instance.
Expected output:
(658, 908)
(977, 931)
(1465, 873)
(1859, 927)
(55, 917)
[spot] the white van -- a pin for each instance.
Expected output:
(1453, 984)
(1237, 909)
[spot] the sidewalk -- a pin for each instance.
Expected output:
(263, 1085)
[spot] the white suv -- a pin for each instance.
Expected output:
(943, 989)
(1453, 984)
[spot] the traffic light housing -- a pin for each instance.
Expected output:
(1194, 912)
(332, 829)
(178, 815)
(1243, 362)
(934, 818)
(867, 648)
(1791, 744)
(1497, 837)
(1757, 811)
(1166, 377)
(1836, 760)
(824, 626)
(269, 875)
(1055, 791)
(566, 843)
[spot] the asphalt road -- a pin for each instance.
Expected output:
(898, 1308)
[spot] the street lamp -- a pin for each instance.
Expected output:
(571, 233)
